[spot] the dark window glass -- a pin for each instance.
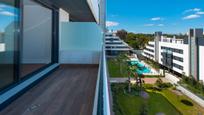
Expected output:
(37, 37)
(8, 23)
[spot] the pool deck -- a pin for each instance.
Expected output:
(154, 72)
(142, 63)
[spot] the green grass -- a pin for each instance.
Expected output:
(195, 90)
(185, 109)
(114, 69)
(164, 101)
(132, 105)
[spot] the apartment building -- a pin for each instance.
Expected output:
(52, 57)
(114, 45)
(182, 56)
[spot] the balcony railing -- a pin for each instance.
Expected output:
(102, 97)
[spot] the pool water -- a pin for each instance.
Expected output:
(142, 69)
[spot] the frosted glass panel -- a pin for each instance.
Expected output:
(80, 43)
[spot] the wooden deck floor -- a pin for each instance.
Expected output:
(68, 91)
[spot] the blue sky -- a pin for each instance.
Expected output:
(148, 16)
(7, 15)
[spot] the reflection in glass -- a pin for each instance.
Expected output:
(8, 21)
(37, 37)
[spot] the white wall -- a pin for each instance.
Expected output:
(185, 55)
(201, 62)
(152, 48)
(63, 16)
(93, 4)
(80, 43)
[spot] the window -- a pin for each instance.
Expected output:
(151, 45)
(178, 58)
(37, 37)
(172, 49)
(8, 25)
(149, 50)
(178, 66)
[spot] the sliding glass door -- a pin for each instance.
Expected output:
(8, 24)
(28, 39)
(36, 49)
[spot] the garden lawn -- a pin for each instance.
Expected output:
(125, 104)
(193, 89)
(114, 69)
(184, 109)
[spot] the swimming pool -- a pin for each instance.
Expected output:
(142, 69)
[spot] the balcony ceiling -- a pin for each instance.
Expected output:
(78, 10)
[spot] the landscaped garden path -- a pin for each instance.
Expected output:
(146, 80)
(152, 102)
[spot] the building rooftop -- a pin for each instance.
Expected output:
(172, 40)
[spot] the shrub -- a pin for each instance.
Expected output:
(162, 85)
(186, 102)
(156, 88)
(159, 81)
(174, 88)
(165, 85)
(148, 86)
(193, 85)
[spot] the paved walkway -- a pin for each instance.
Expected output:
(174, 80)
(118, 80)
(147, 80)
(171, 78)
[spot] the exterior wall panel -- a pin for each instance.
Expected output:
(201, 62)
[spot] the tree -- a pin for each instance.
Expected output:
(138, 41)
(131, 74)
(122, 34)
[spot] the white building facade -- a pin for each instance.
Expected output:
(179, 55)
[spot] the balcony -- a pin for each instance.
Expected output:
(73, 44)
(69, 90)
(72, 89)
